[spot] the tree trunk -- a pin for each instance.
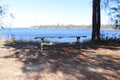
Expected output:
(96, 22)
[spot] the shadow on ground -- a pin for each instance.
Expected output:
(66, 62)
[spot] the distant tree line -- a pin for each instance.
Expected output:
(71, 26)
(62, 26)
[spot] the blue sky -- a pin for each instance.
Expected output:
(36, 12)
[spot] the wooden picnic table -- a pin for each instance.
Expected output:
(43, 37)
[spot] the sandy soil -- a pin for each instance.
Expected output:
(23, 61)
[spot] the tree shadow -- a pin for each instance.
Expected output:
(65, 58)
(112, 45)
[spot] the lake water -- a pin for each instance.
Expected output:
(31, 33)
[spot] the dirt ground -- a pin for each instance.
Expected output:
(25, 61)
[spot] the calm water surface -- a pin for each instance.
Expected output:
(30, 33)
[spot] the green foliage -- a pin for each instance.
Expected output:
(115, 16)
(5, 15)
(2, 11)
(2, 14)
(114, 11)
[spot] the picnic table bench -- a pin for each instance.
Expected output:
(43, 37)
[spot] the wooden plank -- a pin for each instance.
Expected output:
(58, 36)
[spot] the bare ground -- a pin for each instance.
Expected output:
(24, 61)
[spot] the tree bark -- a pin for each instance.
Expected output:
(96, 21)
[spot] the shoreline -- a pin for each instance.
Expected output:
(81, 27)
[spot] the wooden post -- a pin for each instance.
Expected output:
(78, 42)
(42, 43)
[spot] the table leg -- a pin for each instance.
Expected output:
(42, 43)
(78, 42)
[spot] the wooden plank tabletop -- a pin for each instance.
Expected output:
(58, 36)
